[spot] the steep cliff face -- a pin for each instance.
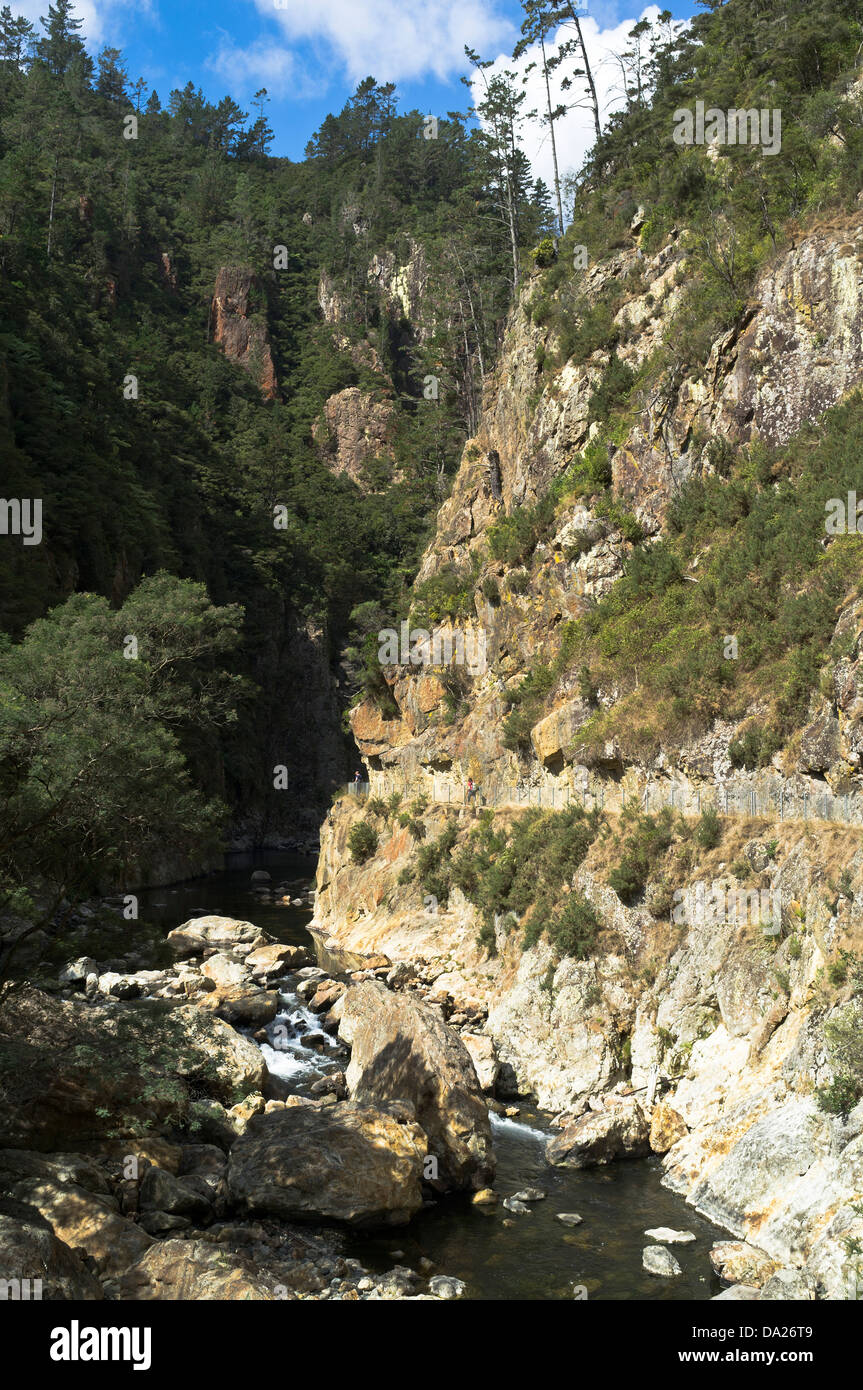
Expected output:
(354, 436)
(735, 1019)
(238, 331)
(797, 350)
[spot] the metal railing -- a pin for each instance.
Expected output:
(782, 800)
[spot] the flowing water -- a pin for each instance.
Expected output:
(498, 1254)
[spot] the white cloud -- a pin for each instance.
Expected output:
(574, 132)
(102, 20)
(261, 64)
(390, 39)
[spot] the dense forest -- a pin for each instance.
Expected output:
(153, 454)
(173, 489)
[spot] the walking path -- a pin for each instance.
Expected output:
(777, 799)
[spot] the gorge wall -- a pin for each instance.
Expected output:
(734, 1016)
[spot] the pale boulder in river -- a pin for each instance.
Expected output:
(401, 1050)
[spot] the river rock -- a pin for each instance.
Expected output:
(484, 1057)
(657, 1260)
(446, 1286)
(223, 971)
(245, 1008)
(75, 972)
(185, 1196)
(738, 1293)
(667, 1236)
(200, 932)
(194, 1270)
(401, 1049)
(517, 1207)
(32, 1251)
(277, 959)
(793, 1285)
(87, 1222)
(120, 986)
(620, 1130)
(666, 1127)
(738, 1262)
(346, 1162)
(326, 995)
(402, 973)
(570, 1218)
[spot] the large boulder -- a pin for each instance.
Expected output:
(347, 1162)
(81, 1213)
(484, 1057)
(31, 1251)
(235, 1066)
(737, 1262)
(244, 1008)
(188, 1196)
(620, 1130)
(666, 1128)
(193, 1270)
(266, 961)
(402, 1050)
(194, 936)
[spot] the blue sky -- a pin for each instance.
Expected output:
(309, 54)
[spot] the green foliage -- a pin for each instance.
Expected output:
(545, 253)
(522, 874)
(643, 841)
(708, 831)
(744, 556)
(104, 747)
(845, 1047)
(617, 381)
(362, 842)
(447, 594)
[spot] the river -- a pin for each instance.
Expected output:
(497, 1254)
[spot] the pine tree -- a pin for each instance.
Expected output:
(17, 37)
(112, 76)
(61, 45)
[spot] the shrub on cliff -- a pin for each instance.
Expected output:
(644, 844)
(362, 842)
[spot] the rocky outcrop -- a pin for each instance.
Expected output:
(346, 1162)
(402, 1050)
(71, 1194)
(31, 1252)
(620, 1130)
(238, 325)
(194, 1269)
(354, 437)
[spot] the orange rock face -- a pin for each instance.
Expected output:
(242, 339)
(373, 733)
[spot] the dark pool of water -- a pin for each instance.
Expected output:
(228, 893)
(536, 1257)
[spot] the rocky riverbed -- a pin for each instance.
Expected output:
(236, 1121)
